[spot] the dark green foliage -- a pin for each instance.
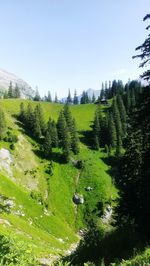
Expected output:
(37, 95)
(17, 93)
(22, 114)
(75, 99)
(69, 99)
(112, 131)
(12, 146)
(134, 177)
(93, 98)
(15, 253)
(74, 138)
(64, 135)
(10, 137)
(49, 98)
(2, 124)
(122, 112)
(96, 131)
(56, 98)
(84, 98)
(102, 93)
(10, 90)
(29, 117)
(51, 128)
(67, 133)
(47, 146)
(145, 53)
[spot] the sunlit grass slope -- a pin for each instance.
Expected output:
(57, 230)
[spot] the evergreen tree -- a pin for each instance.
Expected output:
(112, 131)
(10, 90)
(56, 98)
(69, 99)
(37, 133)
(51, 128)
(116, 117)
(49, 98)
(122, 112)
(2, 124)
(93, 98)
(102, 93)
(145, 53)
(37, 95)
(64, 136)
(75, 99)
(17, 92)
(39, 113)
(96, 131)
(74, 138)
(83, 98)
(29, 117)
(22, 114)
(68, 117)
(47, 146)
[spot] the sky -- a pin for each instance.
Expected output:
(59, 45)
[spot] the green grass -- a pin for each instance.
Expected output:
(65, 218)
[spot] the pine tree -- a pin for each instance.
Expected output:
(75, 99)
(39, 113)
(69, 99)
(37, 133)
(93, 98)
(17, 92)
(83, 98)
(122, 112)
(47, 146)
(112, 131)
(102, 93)
(96, 131)
(116, 117)
(22, 114)
(10, 90)
(68, 117)
(51, 128)
(64, 136)
(37, 95)
(56, 98)
(49, 98)
(74, 138)
(2, 124)
(29, 117)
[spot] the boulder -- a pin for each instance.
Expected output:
(78, 199)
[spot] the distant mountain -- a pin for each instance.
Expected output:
(25, 88)
(89, 92)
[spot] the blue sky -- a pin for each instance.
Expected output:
(76, 44)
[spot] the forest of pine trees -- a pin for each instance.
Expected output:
(110, 129)
(50, 135)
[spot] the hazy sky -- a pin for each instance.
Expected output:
(61, 44)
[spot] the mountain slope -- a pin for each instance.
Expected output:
(25, 88)
(43, 208)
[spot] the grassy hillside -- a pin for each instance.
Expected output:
(49, 220)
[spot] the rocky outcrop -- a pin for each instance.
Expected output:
(25, 88)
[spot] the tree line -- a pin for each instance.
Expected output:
(51, 134)
(110, 128)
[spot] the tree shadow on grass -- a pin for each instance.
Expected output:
(86, 137)
(97, 246)
(55, 156)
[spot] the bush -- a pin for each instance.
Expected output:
(10, 137)
(16, 253)
(12, 146)
(80, 164)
